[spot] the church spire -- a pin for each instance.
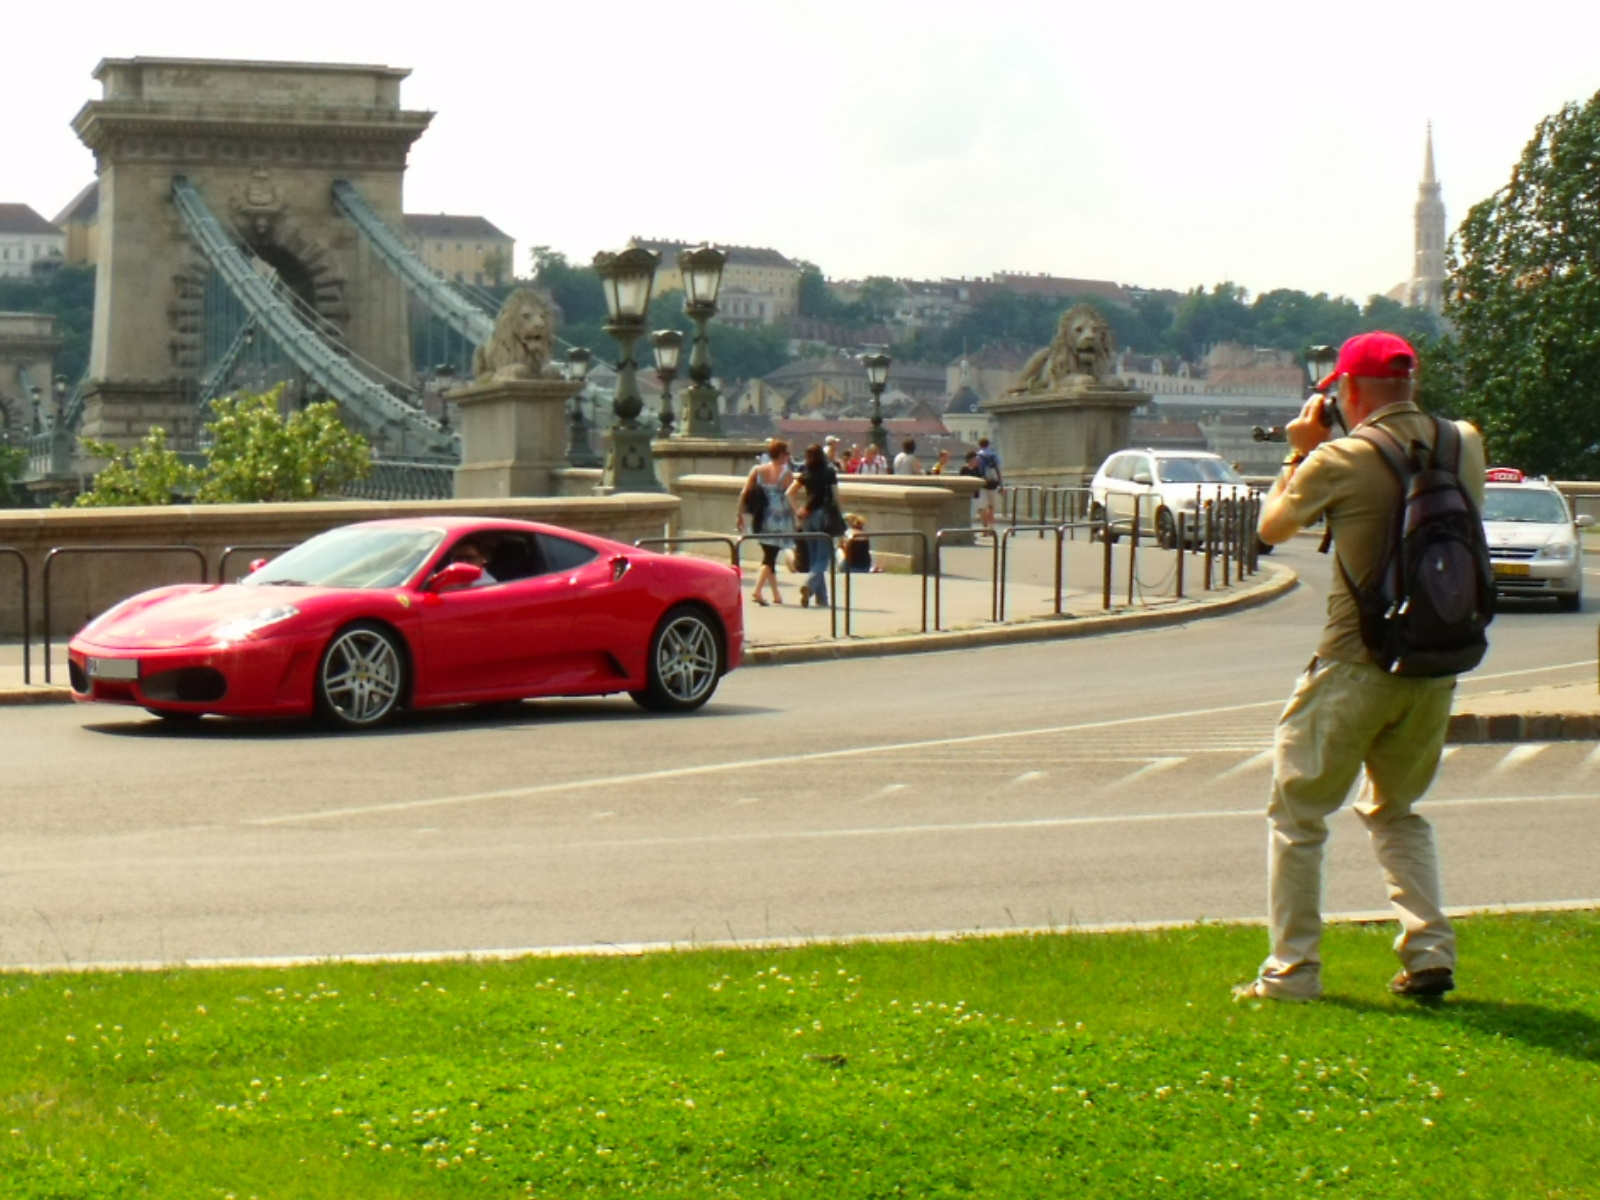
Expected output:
(1427, 273)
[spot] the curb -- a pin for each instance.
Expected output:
(1469, 728)
(1279, 581)
(34, 694)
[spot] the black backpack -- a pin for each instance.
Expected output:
(1426, 610)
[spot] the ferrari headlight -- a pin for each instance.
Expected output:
(1557, 552)
(242, 627)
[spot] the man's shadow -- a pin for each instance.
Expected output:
(1573, 1035)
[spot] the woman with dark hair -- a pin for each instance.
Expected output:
(815, 492)
(765, 497)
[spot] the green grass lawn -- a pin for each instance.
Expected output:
(1093, 1065)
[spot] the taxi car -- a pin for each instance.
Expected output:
(1534, 543)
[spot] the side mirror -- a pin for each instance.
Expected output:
(1583, 520)
(256, 564)
(456, 576)
(1142, 477)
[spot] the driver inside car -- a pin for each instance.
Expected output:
(469, 551)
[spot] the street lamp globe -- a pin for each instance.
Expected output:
(578, 360)
(701, 269)
(1319, 361)
(627, 277)
(877, 366)
(668, 346)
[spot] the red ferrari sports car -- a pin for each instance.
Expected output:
(367, 619)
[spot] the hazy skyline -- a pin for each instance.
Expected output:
(1155, 144)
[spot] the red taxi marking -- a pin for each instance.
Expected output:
(1503, 475)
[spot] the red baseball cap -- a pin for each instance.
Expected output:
(1375, 356)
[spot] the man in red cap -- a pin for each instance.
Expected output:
(1347, 713)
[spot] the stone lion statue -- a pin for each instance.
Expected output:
(1081, 349)
(519, 348)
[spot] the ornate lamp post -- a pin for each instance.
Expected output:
(579, 452)
(701, 269)
(1319, 361)
(35, 395)
(877, 366)
(668, 345)
(627, 277)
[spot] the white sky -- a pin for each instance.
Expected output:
(1157, 143)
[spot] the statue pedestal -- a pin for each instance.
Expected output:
(1059, 438)
(513, 436)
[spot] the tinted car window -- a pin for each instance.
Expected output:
(563, 555)
(1122, 467)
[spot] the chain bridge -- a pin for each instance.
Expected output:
(248, 239)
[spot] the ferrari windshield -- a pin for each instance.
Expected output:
(1196, 470)
(1518, 504)
(353, 557)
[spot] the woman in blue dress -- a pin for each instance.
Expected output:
(765, 497)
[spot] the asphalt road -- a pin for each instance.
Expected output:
(1101, 780)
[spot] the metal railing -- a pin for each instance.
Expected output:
(27, 609)
(974, 532)
(875, 535)
(61, 551)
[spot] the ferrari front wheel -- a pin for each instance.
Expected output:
(685, 662)
(361, 677)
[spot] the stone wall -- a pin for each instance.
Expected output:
(84, 585)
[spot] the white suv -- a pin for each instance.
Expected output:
(1163, 483)
(1534, 545)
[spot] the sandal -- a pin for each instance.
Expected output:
(759, 601)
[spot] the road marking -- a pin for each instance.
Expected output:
(1518, 755)
(1249, 764)
(1150, 768)
(748, 764)
(1024, 824)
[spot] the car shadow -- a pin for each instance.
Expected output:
(1562, 1031)
(512, 715)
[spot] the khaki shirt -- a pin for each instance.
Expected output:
(1347, 481)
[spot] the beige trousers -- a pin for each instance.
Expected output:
(1343, 717)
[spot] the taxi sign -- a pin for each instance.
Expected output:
(1503, 475)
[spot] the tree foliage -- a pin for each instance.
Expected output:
(254, 455)
(1525, 303)
(13, 465)
(67, 294)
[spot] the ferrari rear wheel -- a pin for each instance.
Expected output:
(685, 662)
(361, 677)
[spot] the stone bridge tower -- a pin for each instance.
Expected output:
(263, 143)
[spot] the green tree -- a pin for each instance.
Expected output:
(576, 289)
(149, 473)
(1525, 302)
(255, 455)
(67, 294)
(13, 465)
